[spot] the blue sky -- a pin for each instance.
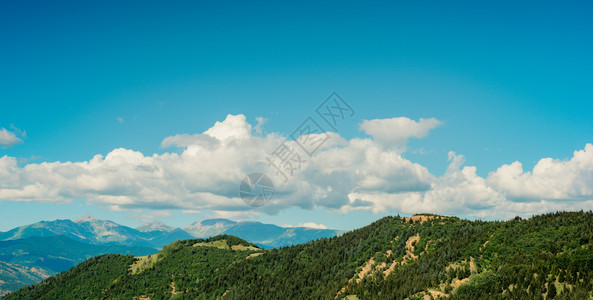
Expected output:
(509, 81)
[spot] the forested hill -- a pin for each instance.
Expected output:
(545, 257)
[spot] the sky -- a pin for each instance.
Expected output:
(147, 110)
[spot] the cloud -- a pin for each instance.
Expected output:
(308, 225)
(234, 215)
(18, 131)
(360, 174)
(553, 185)
(185, 140)
(232, 128)
(8, 138)
(146, 217)
(205, 175)
(551, 179)
(361, 166)
(258, 127)
(120, 120)
(395, 132)
(459, 191)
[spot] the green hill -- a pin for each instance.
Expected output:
(544, 257)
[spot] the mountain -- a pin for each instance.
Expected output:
(91, 230)
(104, 231)
(208, 228)
(48, 228)
(59, 253)
(163, 238)
(423, 257)
(264, 235)
(14, 277)
(55, 246)
(215, 253)
(155, 226)
(272, 236)
(29, 260)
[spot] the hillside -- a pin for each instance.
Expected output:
(58, 253)
(27, 261)
(113, 273)
(544, 257)
(13, 276)
(55, 246)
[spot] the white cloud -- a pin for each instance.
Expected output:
(504, 194)
(368, 174)
(203, 176)
(307, 225)
(395, 132)
(233, 127)
(551, 179)
(459, 191)
(8, 138)
(146, 217)
(234, 215)
(184, 140)
(362, 166)
(258, 127)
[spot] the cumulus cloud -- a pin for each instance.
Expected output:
(362, 166)
(8, 138)
(395, 132)
(551, 179)
(459, 191)
(232, 128)
(205, 175)
(360, 174)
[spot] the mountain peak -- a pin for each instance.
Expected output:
(210, 222)
(154, 226)
(209, 227)
(86, 218)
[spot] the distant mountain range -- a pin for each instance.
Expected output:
(59, 253)
(46, 248)
(29, 260)
(264, 235)
(89, 229)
